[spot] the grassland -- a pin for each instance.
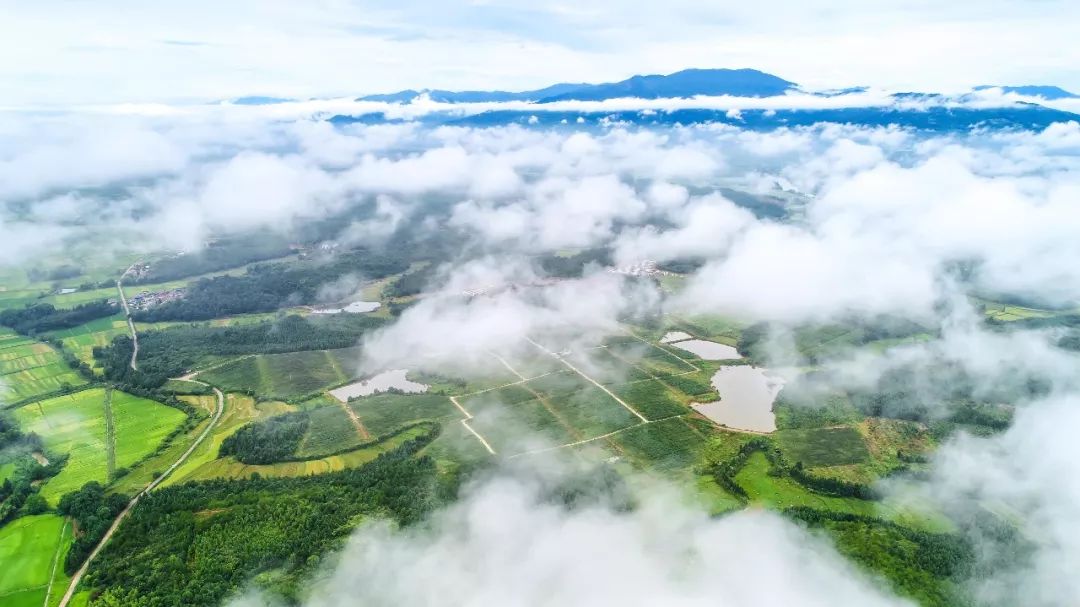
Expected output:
(30, 368)
(816, 447)
(28, 548)
(286, 376)
(76, 424)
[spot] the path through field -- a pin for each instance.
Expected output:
(75, 579)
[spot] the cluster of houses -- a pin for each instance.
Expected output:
(642, 268)
(145, 301)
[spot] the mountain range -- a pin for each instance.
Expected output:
(686, 83)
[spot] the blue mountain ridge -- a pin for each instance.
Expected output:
(686, 83)
(933, 116)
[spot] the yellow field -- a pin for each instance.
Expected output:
(230, 468)
(239, 410)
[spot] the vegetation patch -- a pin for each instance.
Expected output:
(28, 547)
(651, 398)
(823, 446)
(385, 413)
(670, 444)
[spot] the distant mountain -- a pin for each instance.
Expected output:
(1049, 93)
(259, 100)
(687, 83)
(442, 96)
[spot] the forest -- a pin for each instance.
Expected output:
(194, 544)
(266, 442)
(38, 318)
(221, 254)
(169, 352)
(267, 287)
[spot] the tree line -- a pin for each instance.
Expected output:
(38, 318)
(267, 287)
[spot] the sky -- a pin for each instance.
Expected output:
(62, 52)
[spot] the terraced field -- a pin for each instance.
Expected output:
(286, 376)
(76, 424)
(29, 368)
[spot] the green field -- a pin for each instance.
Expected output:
(329, 431)
(81, 340)
(823, 446)
(239, 410)
(28, 548)
(141, 425)
(669, 445)
(30, 368)
(75, 424)
(286, 376)
(652, 399)
(384, 413)
(228, 467)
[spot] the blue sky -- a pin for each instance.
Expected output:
(107, 51)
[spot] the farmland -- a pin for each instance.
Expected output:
(77, 425)
(28, 548)
(286, 376)
(30, 369)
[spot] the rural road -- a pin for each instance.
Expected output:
(127, 314)
(135, 500)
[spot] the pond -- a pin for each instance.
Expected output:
(708, 350)
(356, 307)
(746, 398)
(378, 383)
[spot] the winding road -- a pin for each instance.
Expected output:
(127, 314)
(75, 579)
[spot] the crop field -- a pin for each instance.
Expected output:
(607, 368)
(651, 398)
(28, 548)
(519, 427)
(239, 410)
(75, 424)
(30, 368)
(228, 467)
(591, 412)
(72, 424)
(81, 340)
(670, 444)
(141, 425)
(653, 359)
(384, 413)
(823, 446)
(286, 376)
(329, 430)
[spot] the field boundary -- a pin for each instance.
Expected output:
(110, 436)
